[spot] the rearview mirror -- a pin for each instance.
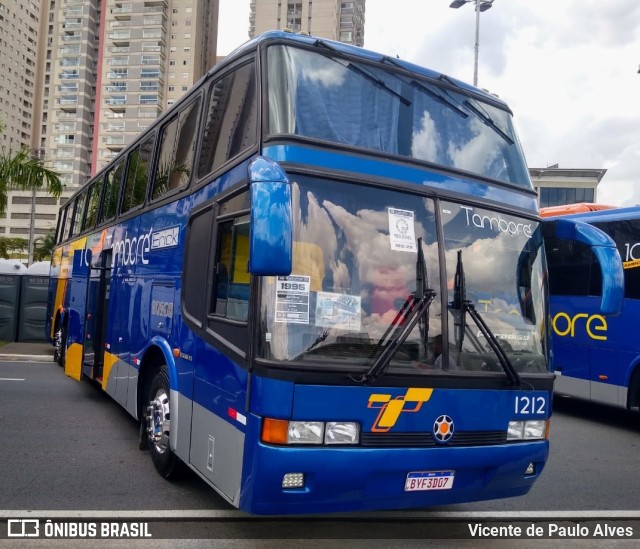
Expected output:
(271, 225)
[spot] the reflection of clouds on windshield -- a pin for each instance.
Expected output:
(424, 142)
(319, 230)
(487, 265)
(328, 75)
(492, 285)
(367, 238)
(478, 153)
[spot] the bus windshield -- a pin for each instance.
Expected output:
(330, 98)
(361, 255)
(504, 280)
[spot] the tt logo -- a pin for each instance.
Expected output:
(390, 410)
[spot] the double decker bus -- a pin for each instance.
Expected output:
(596, 356)
(318, 281)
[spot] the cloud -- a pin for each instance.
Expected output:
(568, 70)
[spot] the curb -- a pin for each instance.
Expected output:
(26, 358)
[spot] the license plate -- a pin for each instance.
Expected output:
(429, 480)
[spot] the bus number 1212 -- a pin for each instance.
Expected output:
(530, 405)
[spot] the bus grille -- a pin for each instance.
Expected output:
(426, 440)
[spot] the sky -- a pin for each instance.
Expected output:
(568, 69)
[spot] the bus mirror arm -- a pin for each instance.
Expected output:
(606, 252)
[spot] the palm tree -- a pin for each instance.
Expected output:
(23, 171)
(43, 246)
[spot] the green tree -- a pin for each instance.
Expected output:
(10, 246)
(43, 246)
(24, 171)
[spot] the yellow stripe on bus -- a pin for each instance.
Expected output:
(109, 361)
(73, 361)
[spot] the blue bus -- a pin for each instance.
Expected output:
(318, 281)
(596, 357)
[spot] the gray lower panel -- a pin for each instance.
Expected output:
(572, 386)
(180, 424)
(594, 391)
(217, 450)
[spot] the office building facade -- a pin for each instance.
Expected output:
(559, 186)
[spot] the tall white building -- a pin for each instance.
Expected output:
(107, 69)
(20, 98)
(343, 21)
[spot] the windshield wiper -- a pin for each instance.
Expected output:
(487, 120)
(463, 305)
(476, 109)
(426, 89)
(422, 286)
(358, 69)
(404, 322)
(439, 97)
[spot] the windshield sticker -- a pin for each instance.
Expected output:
(402, 235)
(292, 299)
(341, 311)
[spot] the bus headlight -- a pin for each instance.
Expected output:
(527, 430)
(534, 430)
(305, 432)
(341, 432)
(283, 432)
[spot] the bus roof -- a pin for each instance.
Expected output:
(600, 215)
(362, 53)
(566, 209)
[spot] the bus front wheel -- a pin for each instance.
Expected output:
(158, 420)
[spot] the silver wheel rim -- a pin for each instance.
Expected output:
(58, 343)
(160, 421)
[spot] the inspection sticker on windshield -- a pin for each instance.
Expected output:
(341, 311)
(292, 299)
(402, 236)
(429, 480)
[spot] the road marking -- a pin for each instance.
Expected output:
(11, 379)
(408, 515)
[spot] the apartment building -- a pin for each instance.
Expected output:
(19, 97)
(107, 69)
(343, 21)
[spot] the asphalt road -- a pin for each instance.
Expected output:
(66, 446)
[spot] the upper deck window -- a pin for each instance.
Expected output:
(230, 126)
(330, 98)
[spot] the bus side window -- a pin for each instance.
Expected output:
(231, 123)
(112, 192)
(196, 260)
(231, 285)
(93, 202)
(78, 213)
(177, 143)
(573, 269)
(135, 187)
(626, 235)
(185, 145)
(163, 167)
(66, 227)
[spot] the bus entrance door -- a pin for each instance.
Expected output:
(77, 313)
(97, 307)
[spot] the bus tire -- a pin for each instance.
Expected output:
(158, 420)
(60, 345)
